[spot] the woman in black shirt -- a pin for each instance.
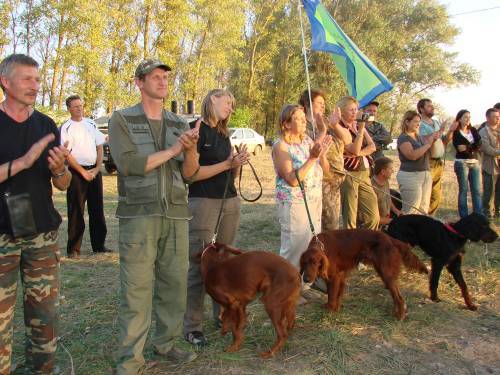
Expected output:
(217, 163)
(466, 141)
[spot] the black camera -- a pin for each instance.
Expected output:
(366, 117)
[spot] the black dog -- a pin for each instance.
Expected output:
(444, 243)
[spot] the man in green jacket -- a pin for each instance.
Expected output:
(156, 156)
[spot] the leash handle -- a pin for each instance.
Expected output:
(256, 179)
(301, 185)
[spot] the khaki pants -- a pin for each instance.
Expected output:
(37, 257)
(201, 229)
(437, 167)
(295, 230)
(415, 189)
(359, 201)
(153, 270)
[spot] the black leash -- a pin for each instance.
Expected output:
(222, 204)
(301, 185)
(256, 179)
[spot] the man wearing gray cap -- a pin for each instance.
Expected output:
(156, 157)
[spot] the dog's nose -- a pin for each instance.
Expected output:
(305, 278)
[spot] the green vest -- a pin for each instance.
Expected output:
(163, 191)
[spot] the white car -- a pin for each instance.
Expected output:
(254, 141)
(393, 145)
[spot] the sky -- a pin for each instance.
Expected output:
(478, 45)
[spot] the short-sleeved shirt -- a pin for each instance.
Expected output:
(299, 153)
(407, 165)
(383, 200)
(437, 149)
(213, 147)
(15, 140)
(83, 137)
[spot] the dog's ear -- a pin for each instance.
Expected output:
(233, 250)
(324, 265)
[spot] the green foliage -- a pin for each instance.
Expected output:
(252, 47)
(241, 118)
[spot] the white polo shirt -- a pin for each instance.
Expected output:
(83, 138)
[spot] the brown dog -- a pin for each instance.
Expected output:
(334, 253)
(233, 282)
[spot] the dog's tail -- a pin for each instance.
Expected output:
(410, 260)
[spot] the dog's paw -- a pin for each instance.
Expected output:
(266, 355)
(232, 349)
(331, 308)
(472, 307)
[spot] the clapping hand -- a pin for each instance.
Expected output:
(36, 150)
(320, 124)
(57, 157)
(334, 117)
(326, 143)
(454, 126)
(190, 138)
(187, 140)
(240, 157)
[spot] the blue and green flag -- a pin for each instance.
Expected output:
(362, 78)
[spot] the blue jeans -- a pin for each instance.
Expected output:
(467, 172)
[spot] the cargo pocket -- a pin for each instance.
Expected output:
(141, 190)
(179, 190)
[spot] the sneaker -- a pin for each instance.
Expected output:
(196, 338)
(178, 355)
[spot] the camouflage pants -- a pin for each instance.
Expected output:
(37, 258)
(330, 217)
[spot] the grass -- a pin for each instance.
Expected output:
(363, 338)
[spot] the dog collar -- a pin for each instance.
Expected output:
(452, 230)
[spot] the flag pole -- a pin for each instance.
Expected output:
(304, 52)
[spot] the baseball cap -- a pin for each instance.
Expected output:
(148, 65)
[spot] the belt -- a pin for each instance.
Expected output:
(87, 167)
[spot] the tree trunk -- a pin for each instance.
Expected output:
(147, 24)
(29, 11)
(55, 70)
(44, 69)
(199, 58)
(61, 87)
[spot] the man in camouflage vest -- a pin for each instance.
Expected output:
(156, 156)
(31, 160)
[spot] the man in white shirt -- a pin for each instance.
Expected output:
(429, 126)
(85, 159)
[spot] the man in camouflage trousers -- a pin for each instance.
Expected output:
(31, 161)
(330, 216)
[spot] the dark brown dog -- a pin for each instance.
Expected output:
(233, 282)
(334, 253)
